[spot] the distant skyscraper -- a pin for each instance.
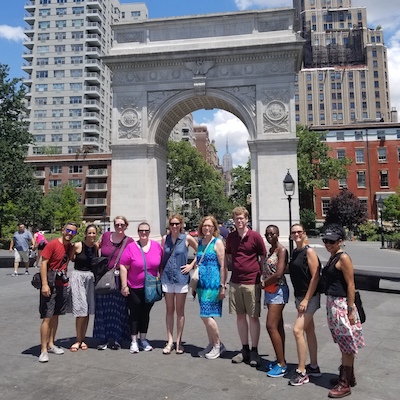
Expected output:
(227, 159)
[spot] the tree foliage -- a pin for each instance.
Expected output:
(346, 209)
(241, 186)
(189, 176)
(391, 209)
(315, 166)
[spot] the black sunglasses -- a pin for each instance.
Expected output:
(329, 241)
(174, 223)
(143, 230)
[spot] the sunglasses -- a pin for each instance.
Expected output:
(120, 225)
(70, 231)
(174, 223)
(329, 241)
(144, 230)
(298, 232)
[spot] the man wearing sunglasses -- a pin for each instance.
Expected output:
(53, 301)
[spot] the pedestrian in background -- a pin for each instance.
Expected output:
(40, 243)
(20, 244)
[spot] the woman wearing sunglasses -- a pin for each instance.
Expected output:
(304, 269)
(175, 279)
(343, 319)
(111, 324)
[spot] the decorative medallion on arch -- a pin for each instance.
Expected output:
(129, 124)
(276, 111)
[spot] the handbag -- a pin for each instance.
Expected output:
(359, 305)
(100, 266)
(194, 277)
(36, 281)
(107, 282)
(152, 284)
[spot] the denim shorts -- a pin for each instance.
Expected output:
(281, 296)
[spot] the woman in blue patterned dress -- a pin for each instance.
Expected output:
(212, 283)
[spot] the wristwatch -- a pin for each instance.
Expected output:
(350, 309)
(222, 286)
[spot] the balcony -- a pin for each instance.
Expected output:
(39, 174)
(95, 202)
(94, 15)
(92, 116)
(27, 55)
(30, 6)
(92, 91)
(94, 4)
(93, 27)
(96, 187)
(28, 42)
(96, 173)
(92, 105)
(93, 78)
(93, 64)
(93, 39)
(93, 52)
(91, 140)
(91, 128)
(29, 19)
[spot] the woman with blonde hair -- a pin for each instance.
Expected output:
(175, 279)
(212, 283)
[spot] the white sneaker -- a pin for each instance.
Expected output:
(134, 348)
(203, 352)
(214, 353)
(55, 350)
(44, 357)
(15, 273)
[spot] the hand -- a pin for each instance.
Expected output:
(352, 317)
(185, 269)
(221, 294)
(46, 290)
(303, 306)
(125, 291)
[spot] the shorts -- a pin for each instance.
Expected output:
(245, 299)
(175, 288)
(56, 304)
(21, 255)
(281, 296)
(313, 304)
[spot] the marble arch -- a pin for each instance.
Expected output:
(164, 69)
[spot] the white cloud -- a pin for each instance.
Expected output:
(248, 4)
(394, 68)
(13, 33)
(222, 125)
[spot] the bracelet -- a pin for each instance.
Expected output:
(124, 287)
(222, 287)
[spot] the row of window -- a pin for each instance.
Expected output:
(60, 73)
(41, 126)
(325, 204)
(45, 12)
(72, 169)
(360, 156)
(60, 100)
(62, 23)
(59, 86)
(62, 36)
(73, 112)
(339, 116)
(60, 1)
(72, 137)
(56, 150)
(61, 48)
(59, 60)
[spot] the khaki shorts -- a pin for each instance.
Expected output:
(245, 299)
(20, 255)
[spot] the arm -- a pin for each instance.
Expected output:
(34, 242)
(76, 248)
(98, 243)
(190, 241)
(346, 266)
(280, 268)
(123, 274)
(12, 243)
(43, 275)
(313, 266)
(220, 250)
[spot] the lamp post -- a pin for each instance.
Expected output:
(104, 220)
(288, 187)
(380, 205)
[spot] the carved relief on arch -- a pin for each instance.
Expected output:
(130, 119)
(246, 96)
(156, 99)
(276, 111)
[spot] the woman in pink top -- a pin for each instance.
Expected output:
(132, 283)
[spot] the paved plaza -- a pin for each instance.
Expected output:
(113, 375)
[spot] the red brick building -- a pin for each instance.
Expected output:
(375, 171)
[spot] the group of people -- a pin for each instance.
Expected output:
(125, 315)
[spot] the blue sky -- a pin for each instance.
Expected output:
(220, 123)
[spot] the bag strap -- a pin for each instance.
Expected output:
(305, 261)
(333, 260)
(124, 242)
(205, 251)
(144, 257)
(64, 260)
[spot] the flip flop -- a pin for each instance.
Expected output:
(180, 349)
(168, 348)
(83, 346)
(75, 347)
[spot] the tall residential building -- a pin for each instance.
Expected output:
(206, 148)
(183, 130)
(344, 78)
(69, 95)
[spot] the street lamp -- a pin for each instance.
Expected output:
(288, 187)
(183, 198)
(380, 205)
(104, 220)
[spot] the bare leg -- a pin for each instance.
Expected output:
(81, 328)
(53, 325)
(212, 330)
(44, 334)
(312, 342)
(180, 316)
(169, 318)
(255, 329)
(243, 328)
(16, 265)
(300, 325)
(27, 266)
(274, 327)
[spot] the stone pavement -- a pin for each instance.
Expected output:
(113, 375)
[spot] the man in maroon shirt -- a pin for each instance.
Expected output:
(53, 301)
(246, 251)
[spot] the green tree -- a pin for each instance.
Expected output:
(186, 169)
(391, 209)
(346, 209)
(315, 166)
(241, 186)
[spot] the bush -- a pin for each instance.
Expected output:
(307, 219)
(368, 231)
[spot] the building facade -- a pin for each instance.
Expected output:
(69, 97)
(375, 171)
(344, 78)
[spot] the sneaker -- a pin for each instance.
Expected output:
(203, 352)
(277, 371)
(44, 357)
(134, 348)
(145, 345)
(243, 356)
(214, 353)
(15, 273)
(299, 378)
(115, 345)
(55, 350)
(102, 346)
(272, 364)
(310, 371)
(255, 359)
(26, 272)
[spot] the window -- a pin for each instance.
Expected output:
(309, 86)
(380, 135)
(376, 75)
(59, 60)
(61, 11)
(77, 23)
(43, 49)
(325, 203)
(57, 113)
(297, 117)
(76, 47)
(310, 117)
(77, 10)
(374, 53)
(40, 113)
(364, 105)
(296, 97)
(42, 61)
(40, 138)
(361, 181)
(135, 13)
(57, 125)
(362, 74)
(58, 86)
(55, 169)
(358, 135)
(76, 73)
(341, 153)
(42, 74)
(363, 85)
(322, 117)
(38, 150)
(322, 106)
(375, 63)
(76, 59)
(75, 169)
(44, 24)
(75, 100)
(384, 178)
(77, 35)
(352, 105)
(73, 149)
(74, 137)
(55, 183)
(351, 95)
(342, 183)
(75, 124)
(61, 23)
(340, 136)
(321, 96)
(351, 75)
(59, 48)
(376, 84)
(75, 182)
(57, 137)
(41, 87)
(60, 36)
(44, 12)
(41, 101)
(59, 73)
(309, 107)
(377, 94)
(308, 77)
(377, 104)
(39, 126)
(75, 86)
(75, 112)
(58, 100)
(309, 96)
(359, 155)
(382, 154)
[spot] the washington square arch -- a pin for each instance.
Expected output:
(164, 69)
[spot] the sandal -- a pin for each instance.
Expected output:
(83, 346)
(75, 347)
(180, 349)
(168, 348)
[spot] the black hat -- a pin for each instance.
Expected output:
(332, 234)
